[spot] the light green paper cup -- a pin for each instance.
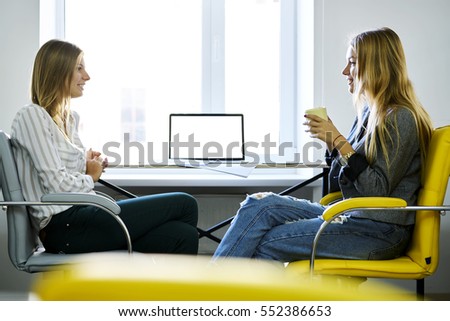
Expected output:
(318, 111)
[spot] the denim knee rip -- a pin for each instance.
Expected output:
(260, 195)
(341, 219)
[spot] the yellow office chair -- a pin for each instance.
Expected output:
(422, 257)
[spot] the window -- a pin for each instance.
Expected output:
(150, 58)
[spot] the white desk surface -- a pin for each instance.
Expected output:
(262, 175)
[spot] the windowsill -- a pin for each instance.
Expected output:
(196, 177)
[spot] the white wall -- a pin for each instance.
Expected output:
(19, 39)
(422, 24)
(424, 28)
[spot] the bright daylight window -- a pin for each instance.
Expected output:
(150, 58)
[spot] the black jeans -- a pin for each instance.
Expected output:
(161, 223)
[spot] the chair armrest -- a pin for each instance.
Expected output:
(364, 203)
(103, 202)
(82, 199)
(357, 203)
(330, 198)
(361, 203)
(105, 195)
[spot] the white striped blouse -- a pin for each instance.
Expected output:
(47, 161)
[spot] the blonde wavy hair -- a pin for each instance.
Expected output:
(53, 69)
(382, 82)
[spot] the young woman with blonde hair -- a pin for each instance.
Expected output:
(51, 158)
(381, 156)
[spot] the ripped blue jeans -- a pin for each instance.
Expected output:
(282, 228)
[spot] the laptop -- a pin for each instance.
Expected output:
(207, 138)
(210, 141)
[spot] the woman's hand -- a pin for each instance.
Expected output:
(95, 165)
(322, 129)
(94, 168)
(91, 154)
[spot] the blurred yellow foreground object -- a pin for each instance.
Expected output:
(110, 277)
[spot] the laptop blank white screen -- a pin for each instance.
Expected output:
(206, 136)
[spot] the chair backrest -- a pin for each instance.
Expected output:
(424, 247)
(22, 239)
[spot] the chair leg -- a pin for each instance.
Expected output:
(420, 289)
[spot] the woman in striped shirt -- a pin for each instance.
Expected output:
(51, 158)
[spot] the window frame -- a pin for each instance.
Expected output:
(295, 66)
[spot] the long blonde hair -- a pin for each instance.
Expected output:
(53, 69)
(382, 82)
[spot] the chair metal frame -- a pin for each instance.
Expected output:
(84, 199)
